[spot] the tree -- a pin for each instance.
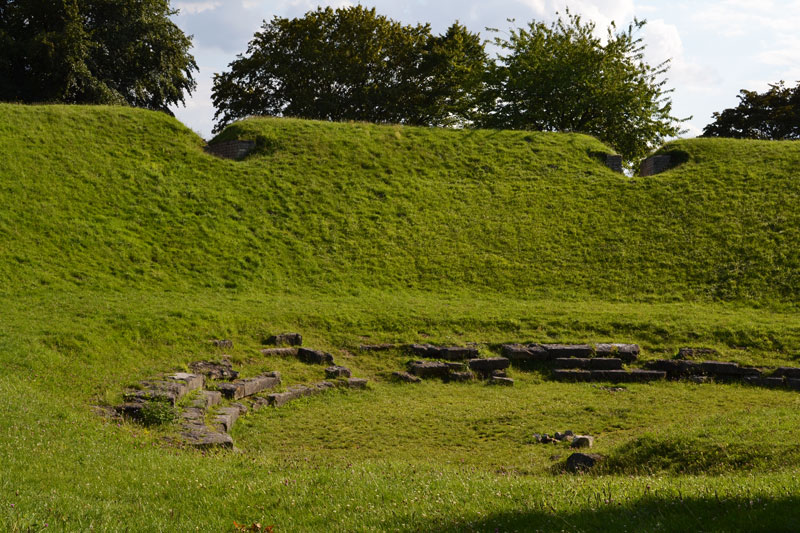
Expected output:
(561, 77)
(93, 51)
(773, 114)
(352, 64)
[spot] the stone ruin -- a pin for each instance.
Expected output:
(655, 164)
(235, 150)
(205, 422)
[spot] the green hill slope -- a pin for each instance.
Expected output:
(109, 198)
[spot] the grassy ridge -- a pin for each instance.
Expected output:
(112, 198)
(124, 248)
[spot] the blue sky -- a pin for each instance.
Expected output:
(716, 47)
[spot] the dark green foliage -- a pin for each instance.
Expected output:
(352, 64)
(156, 413)
(562, 77)
(771, 115)
(99, 51)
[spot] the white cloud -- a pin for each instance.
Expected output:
(664, 42)
(602, 12)
(196, 7)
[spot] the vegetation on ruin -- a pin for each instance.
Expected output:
(124, 248)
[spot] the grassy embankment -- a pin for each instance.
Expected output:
(123, 248)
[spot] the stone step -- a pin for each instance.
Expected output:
(288, 339)
(429, 369)
(568, 350)
(207, 399)
(626, 352)
(333, 372)
(282, 352)
(205, 438)
(521, 353)
(247, 387)
(487, 365)
(212, 370)
(449, 353)
(314, 357)
(786, 372)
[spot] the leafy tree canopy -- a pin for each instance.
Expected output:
(562, 77)
(773, 114)
(353, 64)
(93, 51)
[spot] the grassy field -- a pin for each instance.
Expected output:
(124, 249)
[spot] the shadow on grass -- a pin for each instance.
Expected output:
(649, 514)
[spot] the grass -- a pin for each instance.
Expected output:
(124, 249)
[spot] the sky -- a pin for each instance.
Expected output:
(716, 48)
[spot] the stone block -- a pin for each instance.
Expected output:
(457, 353)
(192, 381)
(626, 352)
(287, 339)
(614, 162)
(205, 439)
(221, 370)
(572, 363)
(429, 369)
(460, 376)
(247, 387)
(235, 149)
(207, 399)
(643, 376)
(278, 399)
(568, 350)
(675, 368)
(723, 370)
(582, 441)
(356, 383)
(572, 375)
(194, 415)
(333, 372)
(405, 377)
(222, 343)
(281, 352)
(489, 364)
(655, 164)
(521, 353)
(581, 462)
(226, 417)
(614, 376)
(423, 350)
(605, 363)
(314, 357)
(158, 390)
(792, 383)
(770, 382)
(494, 380)
(786, 372)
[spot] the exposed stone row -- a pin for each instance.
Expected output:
(169, 389)
(492, 369)
(521, 353)
(278, 399)
(677, 369)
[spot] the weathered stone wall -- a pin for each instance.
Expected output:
(614, 162)
(231, 149)
(655, 164)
